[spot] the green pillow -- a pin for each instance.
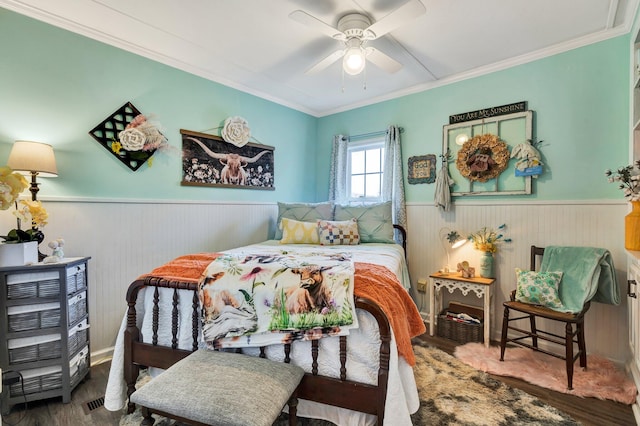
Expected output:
(304, 212)
(539, 288)
(374, 221)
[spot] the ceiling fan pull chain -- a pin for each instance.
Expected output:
(364, 77)
(342, 80)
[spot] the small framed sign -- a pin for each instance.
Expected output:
(422, 169)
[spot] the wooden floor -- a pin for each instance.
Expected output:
(53, 412)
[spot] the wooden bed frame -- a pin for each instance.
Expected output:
(339, 392)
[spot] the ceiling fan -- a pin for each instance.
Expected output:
(354, 30)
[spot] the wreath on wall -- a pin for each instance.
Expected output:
(482, 158)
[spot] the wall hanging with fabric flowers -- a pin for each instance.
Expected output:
(129, 136)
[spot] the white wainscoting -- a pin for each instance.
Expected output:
(126, 239)
(542, 224)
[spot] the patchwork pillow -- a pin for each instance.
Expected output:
(297, 232)
(374, 221)
(338, 232)
(539, 288)
(305, 212)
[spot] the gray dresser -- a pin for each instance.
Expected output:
(44, 329)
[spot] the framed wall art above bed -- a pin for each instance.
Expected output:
(207, 160)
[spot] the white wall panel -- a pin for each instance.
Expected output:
(127, 239)
(574, 224)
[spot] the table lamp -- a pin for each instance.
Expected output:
(35, 159)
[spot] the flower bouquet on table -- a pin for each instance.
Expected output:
(487, 239)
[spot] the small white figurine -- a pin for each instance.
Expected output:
(58, 253)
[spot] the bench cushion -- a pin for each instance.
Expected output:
(221, 388)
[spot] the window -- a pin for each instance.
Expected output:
(365, 165)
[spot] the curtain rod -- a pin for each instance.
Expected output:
(372, 134)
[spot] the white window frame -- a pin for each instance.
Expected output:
(364, 145)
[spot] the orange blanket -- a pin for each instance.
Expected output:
(187, 268)
(374, 282)
(379, 284)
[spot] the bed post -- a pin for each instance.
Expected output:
(131, 335)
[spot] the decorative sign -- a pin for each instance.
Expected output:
(422, 169)
(107, 133)
(208, 160)
(488, 112)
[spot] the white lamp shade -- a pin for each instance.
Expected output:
(28, 156)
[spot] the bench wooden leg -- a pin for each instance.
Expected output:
(148, 419)
(293, 410)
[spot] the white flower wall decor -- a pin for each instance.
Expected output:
(236, 131)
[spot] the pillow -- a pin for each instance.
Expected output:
(296, 232)
(306, 212)
(374, 221)
(338, 233)
(539, 288)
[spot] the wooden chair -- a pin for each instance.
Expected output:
(574, 328)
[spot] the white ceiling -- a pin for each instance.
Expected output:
(253, 45)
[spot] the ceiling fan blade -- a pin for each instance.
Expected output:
(323, 64)
(383, 61)
(408, 11)
(311, 21)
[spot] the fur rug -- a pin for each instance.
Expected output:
(601, 380)
(451, 393)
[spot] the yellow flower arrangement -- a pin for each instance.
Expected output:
(487, 239)
(32, 211)
(11, 185)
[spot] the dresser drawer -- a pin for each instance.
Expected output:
(78, 336)
(33, 317)
(38, 380)
(37, 348)
(77, 307)
(76, 278)
(34, 284)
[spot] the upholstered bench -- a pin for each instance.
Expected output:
(221, 388)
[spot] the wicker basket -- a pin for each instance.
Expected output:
(459, 331)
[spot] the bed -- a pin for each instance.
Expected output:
(353, 377)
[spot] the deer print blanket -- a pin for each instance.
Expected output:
(276, 296)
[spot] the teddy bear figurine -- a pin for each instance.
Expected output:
(58, 254)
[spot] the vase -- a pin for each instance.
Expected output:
(632, 227)
(486, 265)
(18, 254)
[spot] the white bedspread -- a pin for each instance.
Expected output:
(363, 347)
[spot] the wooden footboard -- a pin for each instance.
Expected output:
(339, 392)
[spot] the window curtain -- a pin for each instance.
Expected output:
(338, 171)
(393, 180)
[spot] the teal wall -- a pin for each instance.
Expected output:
(55, 86)
(581, 104)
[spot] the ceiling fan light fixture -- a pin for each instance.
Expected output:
(354, 60)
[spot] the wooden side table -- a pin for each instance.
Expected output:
(482, 287)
